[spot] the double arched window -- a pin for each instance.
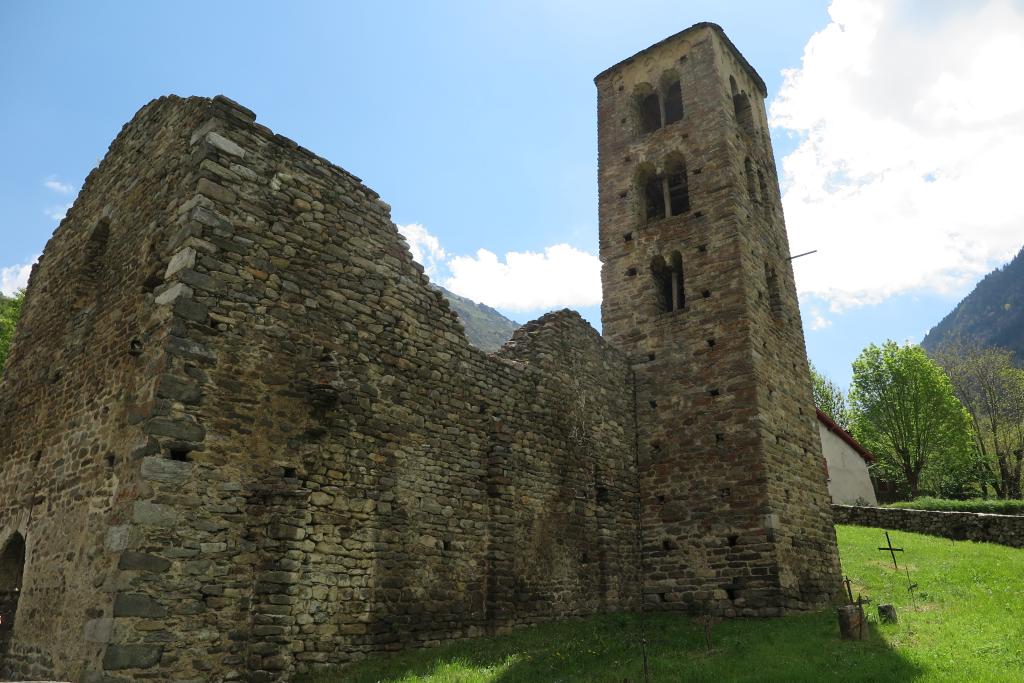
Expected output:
(665, 194)
(659, 107)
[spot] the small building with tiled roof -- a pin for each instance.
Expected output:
(846, 462)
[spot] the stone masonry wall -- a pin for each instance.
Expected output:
(81, 377)
(797, 517)
(315, 465)
(735, 506)
(960, 526)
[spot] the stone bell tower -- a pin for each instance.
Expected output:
(699, 292)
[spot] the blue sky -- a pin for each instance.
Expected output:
(476, 122)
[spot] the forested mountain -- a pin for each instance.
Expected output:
(991, 315)
(485, 327)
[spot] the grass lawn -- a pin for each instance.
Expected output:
(965, 622)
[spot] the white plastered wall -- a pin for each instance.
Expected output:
(848, 479)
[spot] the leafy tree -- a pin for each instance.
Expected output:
(829, 398)
(992, 390)
(903, 409)
(10, 311)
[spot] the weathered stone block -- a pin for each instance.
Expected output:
(199, 281)
(225, 145)
(154, 514)
(116, 538)
(98, 630)
(182, 429)
(214, 191)
(182, 259)
(137, 605)
(177, 290)
(155, 468)
(286, 532)
(131, 657)
(143, 562)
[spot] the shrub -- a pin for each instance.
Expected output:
(995, 506)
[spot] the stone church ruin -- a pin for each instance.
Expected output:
(243, 436)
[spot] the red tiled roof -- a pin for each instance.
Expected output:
(844, 435)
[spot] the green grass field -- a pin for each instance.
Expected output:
(964, 622)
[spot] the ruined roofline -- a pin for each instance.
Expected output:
(236, 114)
(247, 115)
(704, 24)
(552, 320)
(242, 115)
(229, 110)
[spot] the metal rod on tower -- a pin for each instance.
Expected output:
(806, 253)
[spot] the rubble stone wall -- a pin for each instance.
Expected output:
(80, 379)
(317, 465)
(959, 526)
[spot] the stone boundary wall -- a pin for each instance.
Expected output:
(959, 526)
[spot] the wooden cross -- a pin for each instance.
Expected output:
(892, 550)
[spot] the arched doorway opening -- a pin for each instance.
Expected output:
(12, 568)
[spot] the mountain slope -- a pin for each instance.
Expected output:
(485, 327)
(992, 314)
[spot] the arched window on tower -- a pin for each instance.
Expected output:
(741, 107)
(748, 169)
(678, 187)
(774, 293)
(653, 187)
(12, 568)
(649, 109)
(673, 102)
(668, 282)
(678, 298)
(763, 187)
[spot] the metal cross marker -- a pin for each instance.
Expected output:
(892, 550)
(910, 586)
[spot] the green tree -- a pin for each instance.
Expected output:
(829, 398)
(10, 311)
(992, 390)
(903, 409)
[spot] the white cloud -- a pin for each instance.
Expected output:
(57, 186)
(560, 276)
(57, 213)
(818, 321)
(425, 248)
(911, 128)
(13, 278)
